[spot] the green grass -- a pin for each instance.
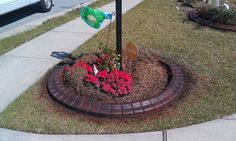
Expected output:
(206, 55)
(9, 43)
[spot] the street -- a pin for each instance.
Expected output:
(31, 13)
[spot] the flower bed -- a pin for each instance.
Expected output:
(81, 75)
(194, 16)
(84, 96)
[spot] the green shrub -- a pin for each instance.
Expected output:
(190, 2)
(218, 15)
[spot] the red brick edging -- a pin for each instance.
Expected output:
(193, 15)
(69, 99)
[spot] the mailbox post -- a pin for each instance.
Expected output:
(119, 28)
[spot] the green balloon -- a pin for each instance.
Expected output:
(92, 17)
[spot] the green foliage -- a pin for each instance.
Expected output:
(189, 2)
(109, 58)
(218, 15)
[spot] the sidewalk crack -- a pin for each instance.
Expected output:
(227, 118)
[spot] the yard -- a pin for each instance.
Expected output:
(206, 55)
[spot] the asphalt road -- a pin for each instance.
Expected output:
(31, 13)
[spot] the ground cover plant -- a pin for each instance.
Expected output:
(207, 56)
(218, 15)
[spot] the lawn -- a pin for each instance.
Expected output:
(206, 55)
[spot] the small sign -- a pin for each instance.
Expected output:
(131, 51)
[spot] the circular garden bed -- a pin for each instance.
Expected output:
(194, 16)
(150, 99)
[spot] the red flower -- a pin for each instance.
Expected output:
(102, 74)
(100, 61)
(120, 92)
(111, 90)
(80, 64)
(92, 79)
(89, 69)
(106, 56)
(125, 76)
(116, 83)
(128, 86)
(67, 68)
(106, 87)
(126, 92)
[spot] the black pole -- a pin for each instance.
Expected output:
(119, 28)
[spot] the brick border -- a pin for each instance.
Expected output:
(69, 99)
(193, 15)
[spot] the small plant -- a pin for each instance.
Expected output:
(81, 75)
(218, 15)
(76, 74)
(108, 59)
(102, 75)
(116, 83)
(190, 2)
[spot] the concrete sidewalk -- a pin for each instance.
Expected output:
(218, 130)
(23, 66)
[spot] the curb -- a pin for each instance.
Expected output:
(159, 101)
(193, 15)
(223, 129)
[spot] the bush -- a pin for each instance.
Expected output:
(190, 2)
(218, 15)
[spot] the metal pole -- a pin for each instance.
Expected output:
(217, 3)
(119, 28)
